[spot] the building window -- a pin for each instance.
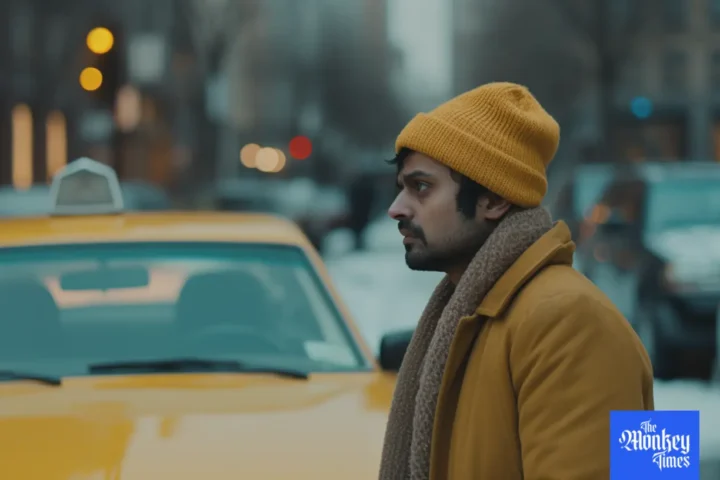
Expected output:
(21, 34)
(674, 74)
(624, 13)
(632, 76)
(716, 135)
(652, 140)
(675, 15)
(714, 13)
(716, 140)
(715, 71)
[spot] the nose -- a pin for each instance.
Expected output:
(399, 209)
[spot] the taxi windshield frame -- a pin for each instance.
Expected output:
(17, 255)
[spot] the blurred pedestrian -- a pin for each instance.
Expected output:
(362, 197)
(517, 359)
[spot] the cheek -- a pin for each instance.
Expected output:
(440, 217)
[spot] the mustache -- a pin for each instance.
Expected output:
(415, 230)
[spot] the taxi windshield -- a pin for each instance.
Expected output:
(66, 307)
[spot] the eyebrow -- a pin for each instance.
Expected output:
(415, 174)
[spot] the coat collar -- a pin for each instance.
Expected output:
(554, 248)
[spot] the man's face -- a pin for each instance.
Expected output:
(436, 235)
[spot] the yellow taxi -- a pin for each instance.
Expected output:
(178, 346)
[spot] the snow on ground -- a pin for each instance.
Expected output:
(384, 295)
(381, 292)
(693, 395)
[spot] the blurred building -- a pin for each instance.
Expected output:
(422, 34)
(87, 78)
(171, 90)
(670, 85)
(303, 69)
(664, 56)
(470, 19)
(272, 95)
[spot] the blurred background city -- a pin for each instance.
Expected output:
(169, 92)
(292, 106)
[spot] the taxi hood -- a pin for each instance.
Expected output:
(192, 426)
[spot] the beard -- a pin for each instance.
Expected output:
(456, 249)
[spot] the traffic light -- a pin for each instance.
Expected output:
(103, 73)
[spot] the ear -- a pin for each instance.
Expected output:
(493, 207)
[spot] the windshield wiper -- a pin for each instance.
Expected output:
(186, 365)
(11, 375)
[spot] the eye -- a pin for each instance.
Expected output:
(421, 186)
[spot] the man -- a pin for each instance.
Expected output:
(517, 359)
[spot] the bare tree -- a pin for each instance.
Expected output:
(529, 44)
(610, 31)
(564, 50)
(213, 26)
(358, 97)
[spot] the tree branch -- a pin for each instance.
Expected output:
(575, 21)
(214, 26)
(597, 28)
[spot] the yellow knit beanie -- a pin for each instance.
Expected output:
(497, 135)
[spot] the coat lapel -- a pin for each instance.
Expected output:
(555, 247)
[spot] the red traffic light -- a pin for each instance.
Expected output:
(300, 147)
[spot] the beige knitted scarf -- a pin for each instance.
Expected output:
(406, 451)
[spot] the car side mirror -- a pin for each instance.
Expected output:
(392, 349)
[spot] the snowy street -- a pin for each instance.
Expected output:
(384, 295)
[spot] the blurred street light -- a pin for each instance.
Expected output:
(300, 147)
(91, 79)
(56, 141)
(22, 146)
(282, 161)
(128, 112)
(267, 159)
(248, 155)
(100, 40)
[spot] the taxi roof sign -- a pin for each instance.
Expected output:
(86, 187)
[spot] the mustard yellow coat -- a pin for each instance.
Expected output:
(527, 395)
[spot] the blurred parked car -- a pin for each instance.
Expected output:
(655, 250)
(24, 203)
(143, 197)
(316, 209)
(138, 196)
(125, 343)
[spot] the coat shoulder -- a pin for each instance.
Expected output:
(564, 286)
(560, 305)
(561, 294)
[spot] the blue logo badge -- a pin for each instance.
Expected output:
(656, 444)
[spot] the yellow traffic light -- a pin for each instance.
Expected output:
(100, 40)
(91, 79)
